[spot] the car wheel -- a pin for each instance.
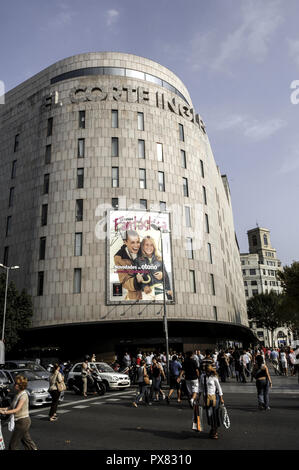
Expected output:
(106, 385)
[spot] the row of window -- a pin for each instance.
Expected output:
(254, 283)
(77, 282)
(253, 272)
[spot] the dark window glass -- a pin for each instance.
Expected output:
(8, 225)
(80, 177)
(202, 169)
(11, 197)
(215, 312)
(50, 127)
(42, 247)
(44, 214)
(183, 159)
(204, 194)
(210, 253)
(13, 169)
(81, 119)
(46, 183)
(212, 284)
(40, 283)
(207, 223)
(48, 154)
(17, 142)
(5, 255)
(77, 280)
(114, 118)
(192, 281)
(114, 147)
(79, 210)
(114, 202)
(185, 187)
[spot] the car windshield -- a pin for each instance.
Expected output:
(35, 367)
(26, 373)
(102, 367)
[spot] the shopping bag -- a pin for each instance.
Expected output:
(197, 421)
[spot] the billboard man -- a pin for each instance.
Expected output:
(126, 256)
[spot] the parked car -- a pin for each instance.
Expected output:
(26, 364)
(37, 388)
(113, 380)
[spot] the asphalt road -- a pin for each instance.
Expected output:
(112, 423)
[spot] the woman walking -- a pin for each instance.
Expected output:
(212, 396)
(20, 410)
(263, 382)
(56, 384)
(143, 383)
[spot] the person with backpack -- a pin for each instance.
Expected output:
(174, 372)
(263, 382)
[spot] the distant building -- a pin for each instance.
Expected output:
(259, 269)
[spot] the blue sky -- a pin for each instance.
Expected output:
(237, 58)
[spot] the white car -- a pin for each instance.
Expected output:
(113, 380)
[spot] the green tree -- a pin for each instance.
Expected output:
(289, 309)
(19, 312)
(265, 310)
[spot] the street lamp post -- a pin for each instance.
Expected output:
(7, 268)
(164, 311)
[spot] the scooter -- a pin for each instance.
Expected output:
(94, 384)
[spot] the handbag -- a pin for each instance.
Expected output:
(11, 423)
(146, 380)
(61, 387)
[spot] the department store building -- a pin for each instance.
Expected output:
(91, 135)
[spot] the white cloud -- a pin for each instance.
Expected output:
(259, 20)
(111, 17)
(253, 129)
(293, 45)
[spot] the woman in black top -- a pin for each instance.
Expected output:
(263, 382)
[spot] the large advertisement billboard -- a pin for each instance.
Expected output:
(139, 261)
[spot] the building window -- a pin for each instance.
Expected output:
(50, 127)
(254, 283)
(215, 312)
(207, 223)
(8, 226)
(143, 204)
(246, 292)
(192, 281)
(162, 206)
(114, 118)
(40, 283)
(44, 220)
(77, 280)
(204, 194)
(202, 169)
(141, 148)
(80, 177)
(78, 243)
(183, 159)
(11, 197)
(114, 202)
(114, 147)
(79, 210)
(13, 169)
(265, 240)
(46, 183)
(212, 284)
(81, 119)
(42, 248)
(255, 291)
(210, 253)
(48, 154)
(115, 177)
(160, 152)
(188, 216)
(252, 272)
(185, 187)
(140, 121)
(142, 178)
(81, 148)
(181, 132)
(161, 182)
(189, 248)
(17, 142)
(5, 255)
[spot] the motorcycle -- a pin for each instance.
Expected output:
(94, 384)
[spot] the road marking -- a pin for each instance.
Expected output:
(113, 399)
(81, 406)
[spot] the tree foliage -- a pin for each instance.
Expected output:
(19, 312)
(264, 309)
(289, 309)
